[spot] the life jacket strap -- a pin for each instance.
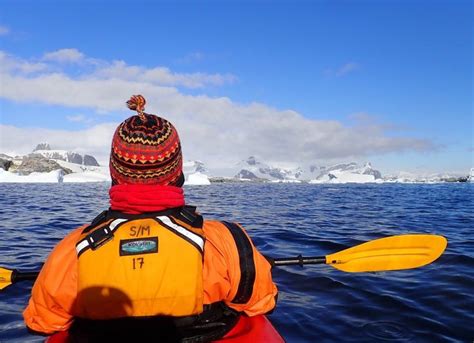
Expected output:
(189, 215)
(98, 237)
(189, 236)
(246, 263)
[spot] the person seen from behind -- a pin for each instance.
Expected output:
(150, 262)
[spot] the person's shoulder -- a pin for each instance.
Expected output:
(73, 236)
(212, 221)
(222, 229)
(212, 224)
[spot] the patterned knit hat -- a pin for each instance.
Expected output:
(146, 149)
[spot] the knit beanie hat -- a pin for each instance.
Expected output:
(146, 150)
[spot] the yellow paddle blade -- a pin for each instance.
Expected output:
(390, 253)
(5, 277)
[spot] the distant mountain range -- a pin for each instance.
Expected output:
(255, 170)
(75, 167)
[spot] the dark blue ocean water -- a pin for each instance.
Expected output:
(434, 303)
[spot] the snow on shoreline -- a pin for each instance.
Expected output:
(88, 176)
(345, 177)
(101, 175)
(55, 176)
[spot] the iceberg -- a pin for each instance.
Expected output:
(82, 173)
(285, 181)
(87, 176)
(54, 176)
(194, 173)
(338, 176)
(431, 178)
(344, 177)
(197, 178)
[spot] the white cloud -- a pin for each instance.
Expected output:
(4, 30)
(64, 56)
(100, 70)
(12, 65)
(95, 140)
(215, 130)
(163, 76)
(80, 118)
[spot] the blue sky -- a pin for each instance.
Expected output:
(291, 82)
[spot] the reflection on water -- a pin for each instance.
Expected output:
(317, 303)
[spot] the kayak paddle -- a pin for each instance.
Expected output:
(8, 276)
(389, 253)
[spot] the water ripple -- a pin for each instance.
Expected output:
(387, 331)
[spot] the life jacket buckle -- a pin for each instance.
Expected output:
(99, 237)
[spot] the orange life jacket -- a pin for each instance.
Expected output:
(141, 265)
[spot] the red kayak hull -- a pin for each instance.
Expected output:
(253, 329)
(248, 329)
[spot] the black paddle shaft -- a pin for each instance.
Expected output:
(23, 276)
(299, 260)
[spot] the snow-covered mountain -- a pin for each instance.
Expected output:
(47, 165)
(348, 173)
(255, 170)
(45, 150)
(190, 167)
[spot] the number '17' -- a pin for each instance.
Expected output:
(138, 262)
